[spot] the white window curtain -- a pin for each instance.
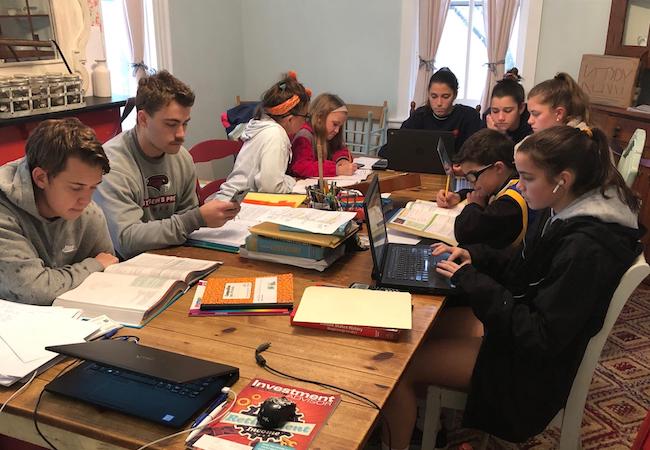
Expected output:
(499, 16)
(134, 17)
(432, 16)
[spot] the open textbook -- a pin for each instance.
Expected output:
(134, 291)
(426, 219)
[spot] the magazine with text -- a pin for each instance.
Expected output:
(239, 425)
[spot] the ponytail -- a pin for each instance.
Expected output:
(583, 151)
(284, 98)
(562, 90)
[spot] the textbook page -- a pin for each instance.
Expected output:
(163, 266)
(309, 219)
(127, 299)
(234, 232)
(426, 219)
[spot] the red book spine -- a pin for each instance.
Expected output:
(390, 334)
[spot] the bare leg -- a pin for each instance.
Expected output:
(445, 362)
(456, 322)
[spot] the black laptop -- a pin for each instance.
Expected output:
(401, 266)
(164, 387)
(415, 150)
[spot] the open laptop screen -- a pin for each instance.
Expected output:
(376, 224)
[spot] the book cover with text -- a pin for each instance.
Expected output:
(239, 425)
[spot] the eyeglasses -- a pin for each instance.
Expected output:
(306, 116)
(472, 176)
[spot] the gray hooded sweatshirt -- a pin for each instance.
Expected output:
(42, 258)
(149, 202)
(261, 164)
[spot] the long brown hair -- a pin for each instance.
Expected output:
(586, 153)
(319, 109)
(562, 90)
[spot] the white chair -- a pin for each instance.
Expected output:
(628, 165)
(365, 128)
(570, 418)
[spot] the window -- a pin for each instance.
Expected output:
(463, 48)
(118, 47)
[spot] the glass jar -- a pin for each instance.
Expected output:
(40, 102)
(73, 98)
(57, 100)
(5, 88)
(39, 86)
(20, 94)
(56, 84)
(19, 87)
(72, 83)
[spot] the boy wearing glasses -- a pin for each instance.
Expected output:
(496, 213)
(149, 197)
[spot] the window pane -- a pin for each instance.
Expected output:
(452, 51)
(477, 70)
(118, 50)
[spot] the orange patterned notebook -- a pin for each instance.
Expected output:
(274, 291)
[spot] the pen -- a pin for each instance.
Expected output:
(110, 334)
(207, 419)
(219, 400)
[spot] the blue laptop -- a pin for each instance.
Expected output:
(164, 387)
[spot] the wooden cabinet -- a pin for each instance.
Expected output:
(619, 124)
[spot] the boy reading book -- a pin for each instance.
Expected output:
(496, 213)
(52, 235)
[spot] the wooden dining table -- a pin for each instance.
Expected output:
(370, 367)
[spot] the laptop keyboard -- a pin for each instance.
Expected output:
(190, 390)
(411, 263)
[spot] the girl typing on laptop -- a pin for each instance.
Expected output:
(540, 307)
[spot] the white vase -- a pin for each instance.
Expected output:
(101, 78)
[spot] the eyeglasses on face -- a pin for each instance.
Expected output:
(473, 175)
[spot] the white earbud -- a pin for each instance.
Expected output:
(557, 186)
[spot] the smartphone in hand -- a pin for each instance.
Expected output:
(238, 196)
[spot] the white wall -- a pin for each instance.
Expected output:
(570, 28)
(207, 54)
(350, 48)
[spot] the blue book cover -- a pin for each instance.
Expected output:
(263, 244)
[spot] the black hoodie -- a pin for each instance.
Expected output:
(540, 308)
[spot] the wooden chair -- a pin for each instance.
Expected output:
(365, 129)
(239, 101)
(214, 160)
(570, 418)
(628, 164)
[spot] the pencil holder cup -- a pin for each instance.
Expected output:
(325, 199)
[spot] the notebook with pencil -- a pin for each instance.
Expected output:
(274, 291)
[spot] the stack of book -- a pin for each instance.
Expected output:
(362, 312)
(287, 245)
(234, 296)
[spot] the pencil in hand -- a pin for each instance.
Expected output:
(447, 185)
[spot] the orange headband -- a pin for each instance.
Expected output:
(284, 107)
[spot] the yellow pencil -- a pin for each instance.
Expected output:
(447, 185)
